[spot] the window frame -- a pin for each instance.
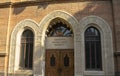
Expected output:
(89, 43)
(26, 41)
(59, 29)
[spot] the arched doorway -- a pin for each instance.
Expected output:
(59, 59)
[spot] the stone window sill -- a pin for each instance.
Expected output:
(28, 72)
(96, 73)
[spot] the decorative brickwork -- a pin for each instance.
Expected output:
(36, 15)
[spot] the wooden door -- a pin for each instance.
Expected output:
(52, 63)
(67, 63)
(59, 63)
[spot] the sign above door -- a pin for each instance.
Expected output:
(59, 43)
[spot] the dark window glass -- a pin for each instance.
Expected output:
(59, 29)
(52, 60)
(27, 39)
(93, 56)
(66, 60)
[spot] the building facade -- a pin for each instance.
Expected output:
(59, 38)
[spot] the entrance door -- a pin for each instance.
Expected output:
(59, 63)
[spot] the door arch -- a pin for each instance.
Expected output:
(70, 20)
(59, 56)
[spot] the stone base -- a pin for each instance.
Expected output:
(19, 74)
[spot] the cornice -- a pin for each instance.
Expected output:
(4, 5)
(3, 54)
(34, 2)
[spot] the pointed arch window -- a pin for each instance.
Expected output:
(26, 56)
(59, 30)
(93, 58)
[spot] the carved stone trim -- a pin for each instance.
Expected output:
(78, 29)
(71, 20)
(15, 43)
(106, 42)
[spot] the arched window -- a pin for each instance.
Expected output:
(59, 29)
(93, 58)
(26, 56)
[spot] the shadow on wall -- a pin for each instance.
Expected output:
(88, 6)
(96, 8)
(84, 10)
(19, 10)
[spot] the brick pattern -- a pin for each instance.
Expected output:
(4, 15)
(38, 12)
(116, 9)
(3, 1)
(2, 62)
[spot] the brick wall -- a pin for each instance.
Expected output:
(3, 1)
(77, 9)
(4, 16)
(116, 9)
(116, 6)
(38, 11)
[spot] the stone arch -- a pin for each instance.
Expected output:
(57, 14)
(15, 42)
(68, 18)
(106, 43)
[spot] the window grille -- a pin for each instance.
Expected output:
(93, 58)
(59, 29)
(27, 39)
